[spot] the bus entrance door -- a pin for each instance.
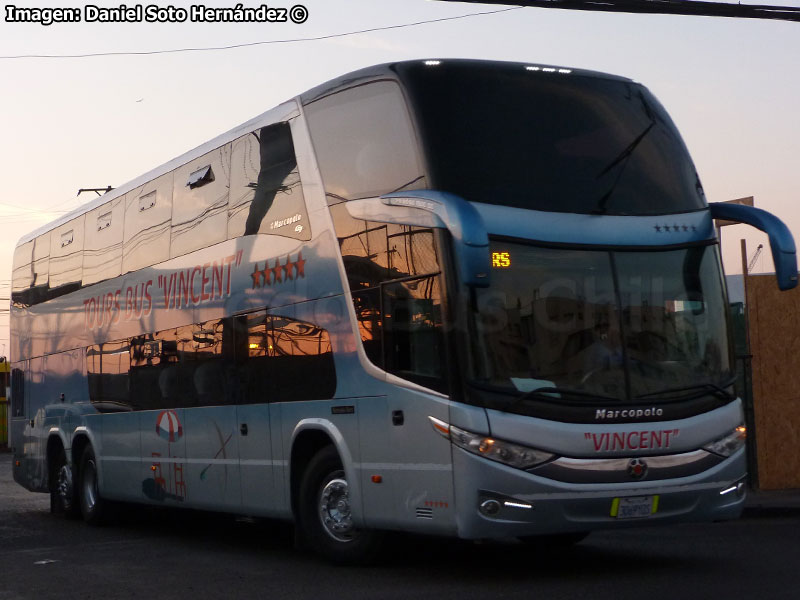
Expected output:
(255, 457)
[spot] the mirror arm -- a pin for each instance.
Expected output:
(465, 224)
(781, 241)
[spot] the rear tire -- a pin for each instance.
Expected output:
(92, 505)
(324, 520)
(63, 492)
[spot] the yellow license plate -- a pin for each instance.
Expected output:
(634, 507)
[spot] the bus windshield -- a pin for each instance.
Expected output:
(618, 325)
(550, 139)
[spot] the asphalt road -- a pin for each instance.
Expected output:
(174, 555)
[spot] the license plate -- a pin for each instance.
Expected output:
(634, 507)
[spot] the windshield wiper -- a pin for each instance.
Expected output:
(555, 393)
(693, 391)
(622, 158)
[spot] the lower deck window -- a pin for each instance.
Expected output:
(247, 359)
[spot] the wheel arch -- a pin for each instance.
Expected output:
(308, 438)
(56, 443)
(80, 440)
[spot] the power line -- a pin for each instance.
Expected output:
(263, 42)
(27, 209)
(31, 216)
(663, 7)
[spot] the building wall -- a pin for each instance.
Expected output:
(774, 319)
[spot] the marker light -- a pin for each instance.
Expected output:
(433, 63)
(727, 445)
(548, 69)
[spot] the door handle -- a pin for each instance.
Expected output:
(398, 418)
(243, 429)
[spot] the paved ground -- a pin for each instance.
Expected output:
(160, 554)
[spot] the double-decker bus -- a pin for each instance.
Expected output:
(454, 297)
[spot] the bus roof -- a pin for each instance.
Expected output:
(392, 69)
(285, 111)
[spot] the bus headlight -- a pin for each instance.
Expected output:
(514, 455)
(726, 446)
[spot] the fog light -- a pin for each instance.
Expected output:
(489, 507)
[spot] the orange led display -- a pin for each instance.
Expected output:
(501, 260)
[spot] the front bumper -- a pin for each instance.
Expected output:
(522, 504)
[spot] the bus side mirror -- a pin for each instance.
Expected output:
(465, 224)
(784, 254)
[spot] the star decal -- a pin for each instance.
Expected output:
(267, 273)
(657, 228)
(300, 265)
(256, 275)
(280, 273)
(288, 268)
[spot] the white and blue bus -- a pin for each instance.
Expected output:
(454, 297)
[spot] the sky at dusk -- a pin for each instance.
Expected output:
(730, 85)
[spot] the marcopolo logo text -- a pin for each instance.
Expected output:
(602, 414)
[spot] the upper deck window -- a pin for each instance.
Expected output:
(66, 257)
(102, 243)
(266, 194)
(552, 140)
(364, 142)
(147, 221)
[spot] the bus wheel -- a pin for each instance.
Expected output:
(324, 519)
(91, 503)
(63, 494)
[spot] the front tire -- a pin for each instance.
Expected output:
(92, 505)
(325, 522)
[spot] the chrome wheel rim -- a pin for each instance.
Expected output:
(334, 509)
(89, 484)
(64, 485)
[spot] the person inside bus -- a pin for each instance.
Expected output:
(605, 351)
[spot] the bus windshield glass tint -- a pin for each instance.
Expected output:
(550, 139)
(621, 325)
